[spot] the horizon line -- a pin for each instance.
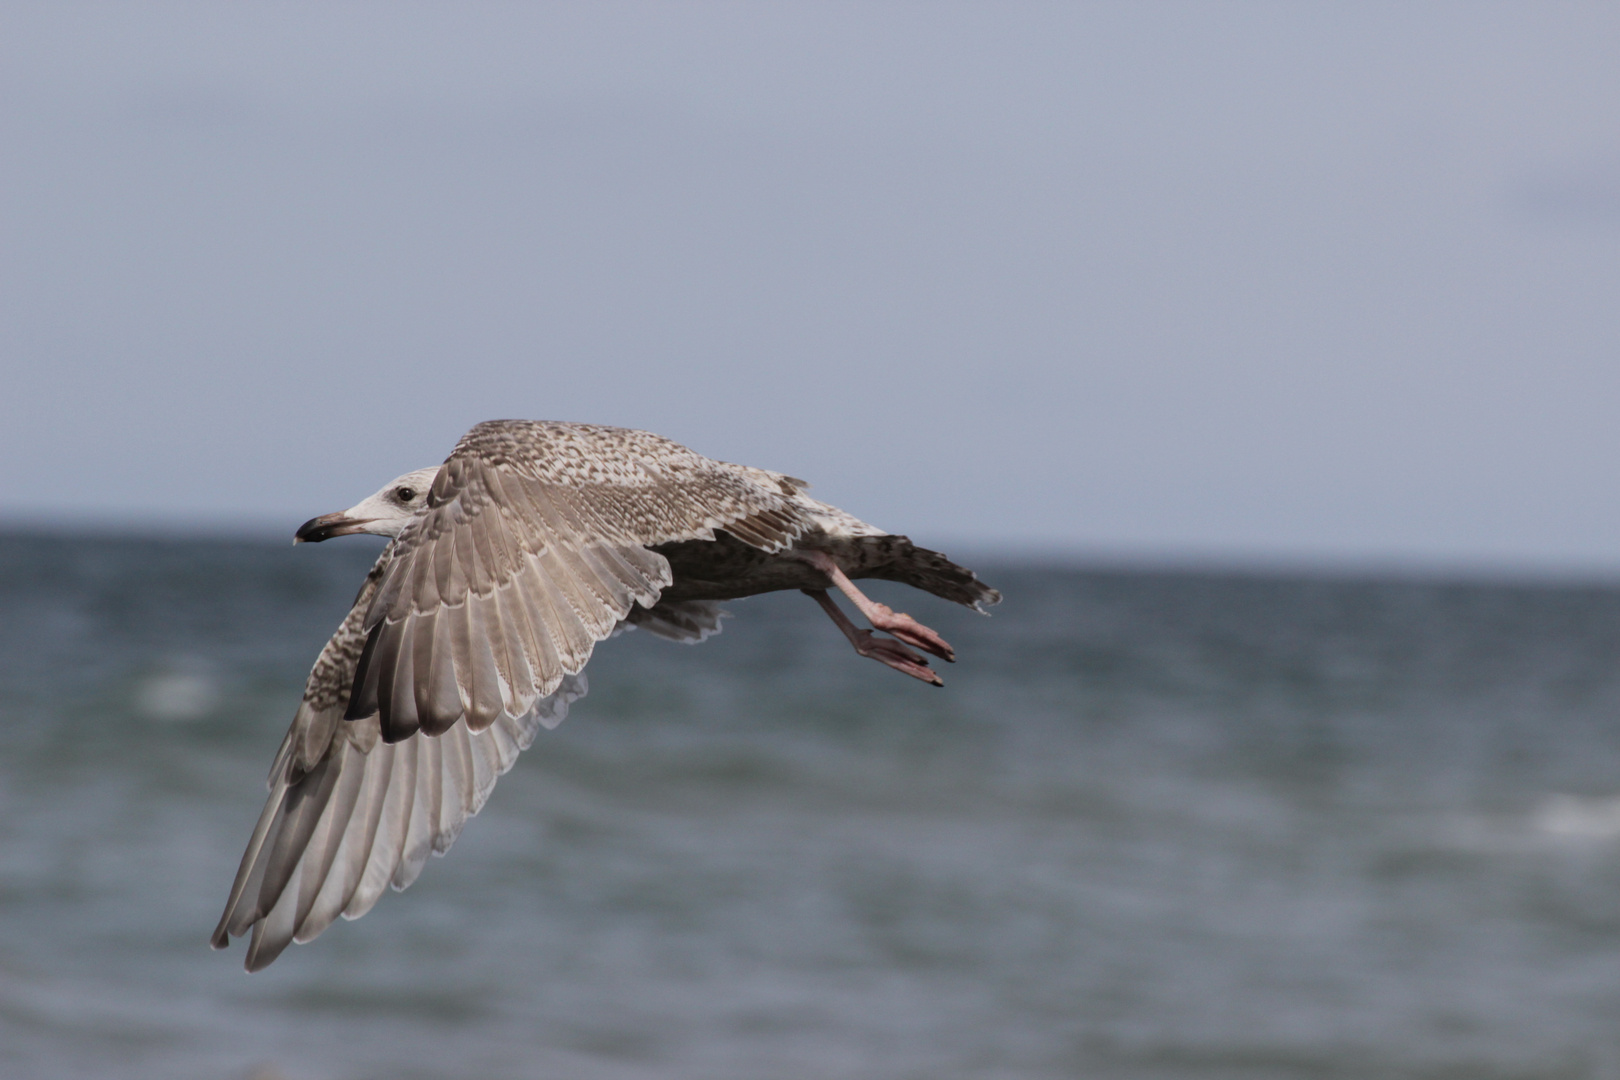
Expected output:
(1075, 555)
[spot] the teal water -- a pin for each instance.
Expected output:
(1156, 825)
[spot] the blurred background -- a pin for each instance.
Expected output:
(1262, 354)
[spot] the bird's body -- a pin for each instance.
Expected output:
(532, 542)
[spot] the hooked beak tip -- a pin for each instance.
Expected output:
(327, 526)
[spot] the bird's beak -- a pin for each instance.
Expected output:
(327, 526)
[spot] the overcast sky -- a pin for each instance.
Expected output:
(1243, 282)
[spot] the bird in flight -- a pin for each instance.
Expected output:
(507, 564)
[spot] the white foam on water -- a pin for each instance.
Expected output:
(176, 697)
(1576, 817)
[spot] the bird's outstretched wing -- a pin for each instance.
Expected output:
(532, 549)
(349, 814)
(469, 635)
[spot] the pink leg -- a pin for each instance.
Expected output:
(883, 650)
(881, 616)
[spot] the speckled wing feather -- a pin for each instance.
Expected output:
(350, 815)
(532, 549)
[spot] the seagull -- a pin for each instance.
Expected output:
(506, 565)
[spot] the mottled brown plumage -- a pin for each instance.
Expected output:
(531, 543)
(533, 546)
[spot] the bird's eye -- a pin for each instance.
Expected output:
(405, 494)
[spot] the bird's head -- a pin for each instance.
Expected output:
(384, 514)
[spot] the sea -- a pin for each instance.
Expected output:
(1157, 824)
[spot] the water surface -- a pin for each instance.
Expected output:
(1156, 825)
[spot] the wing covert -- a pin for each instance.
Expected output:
(532, 549)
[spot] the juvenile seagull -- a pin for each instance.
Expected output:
(508, 563)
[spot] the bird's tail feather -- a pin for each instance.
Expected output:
(932, 572)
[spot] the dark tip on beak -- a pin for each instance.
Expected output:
(327, 526)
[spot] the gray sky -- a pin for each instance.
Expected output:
(1313, 283)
